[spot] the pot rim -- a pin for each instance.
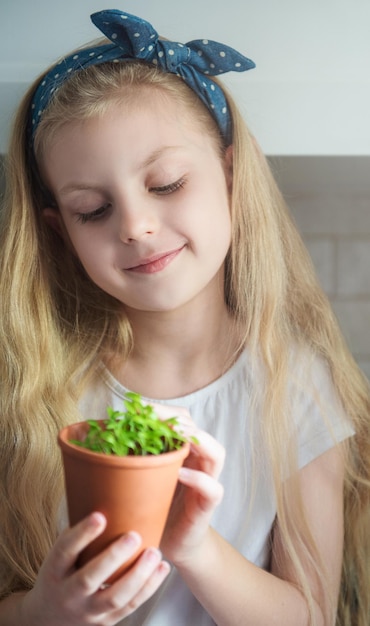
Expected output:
(73, 450)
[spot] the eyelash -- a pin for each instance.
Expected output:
(99, 213)
(167, 189)
(93, 215)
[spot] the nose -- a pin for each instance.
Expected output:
(137, 222)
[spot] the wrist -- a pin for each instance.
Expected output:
(12, 611)
(24, 616)
(195, 557)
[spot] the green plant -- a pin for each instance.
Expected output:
(137, 430)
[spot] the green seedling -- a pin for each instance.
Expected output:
(137, 431)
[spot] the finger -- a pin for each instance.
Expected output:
(152, 584)
(119, 597)
(165, 411)
(209, 454)
(72, 541)
(184, 424)
(90, 578)
(206, 486)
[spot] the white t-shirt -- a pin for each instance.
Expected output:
(245, 516)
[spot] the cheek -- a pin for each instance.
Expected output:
(220, 227)
(218, 216)
(96, 267)
(85, 247)
(211, 229)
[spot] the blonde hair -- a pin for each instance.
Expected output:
(56, 325)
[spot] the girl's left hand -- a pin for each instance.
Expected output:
(197, 495)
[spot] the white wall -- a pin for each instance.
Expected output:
(310, 92)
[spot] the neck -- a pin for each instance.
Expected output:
(178, 352)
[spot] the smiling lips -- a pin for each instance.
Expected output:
(155, 263)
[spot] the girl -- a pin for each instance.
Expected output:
(144, 246)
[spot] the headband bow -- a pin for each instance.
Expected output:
(134, 38)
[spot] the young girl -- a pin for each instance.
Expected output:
(145, 246)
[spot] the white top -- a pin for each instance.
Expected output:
(243, 518)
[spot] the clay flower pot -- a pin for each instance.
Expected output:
(133, 492)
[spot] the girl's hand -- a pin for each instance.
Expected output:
(77, 597)
(197, 495)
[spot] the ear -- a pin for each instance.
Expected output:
(228, 167)
(52, 217)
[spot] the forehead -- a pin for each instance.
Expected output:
(150, 117)
(174, 102)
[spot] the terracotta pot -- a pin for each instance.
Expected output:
(133, 492)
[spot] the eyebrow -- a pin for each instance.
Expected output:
(78, 187)
(152, 158)
(157, 154)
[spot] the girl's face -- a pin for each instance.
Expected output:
(144, 200)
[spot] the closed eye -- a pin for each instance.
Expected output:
(92, 216)
(164, 190)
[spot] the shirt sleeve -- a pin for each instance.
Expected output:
(320, 419)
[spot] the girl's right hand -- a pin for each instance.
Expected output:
(64, 595)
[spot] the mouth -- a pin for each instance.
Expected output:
(155, 263)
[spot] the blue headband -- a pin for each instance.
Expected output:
(134, 38)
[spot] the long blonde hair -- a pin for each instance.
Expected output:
(55, 325)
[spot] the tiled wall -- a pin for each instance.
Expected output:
(330, 201)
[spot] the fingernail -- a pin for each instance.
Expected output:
(164, 568)
(131, 539)
(152, 555)
(97, 519)
(184, 472)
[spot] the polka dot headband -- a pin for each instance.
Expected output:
(134, 38)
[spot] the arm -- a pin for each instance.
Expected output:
(236, 592)
(321, 483)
